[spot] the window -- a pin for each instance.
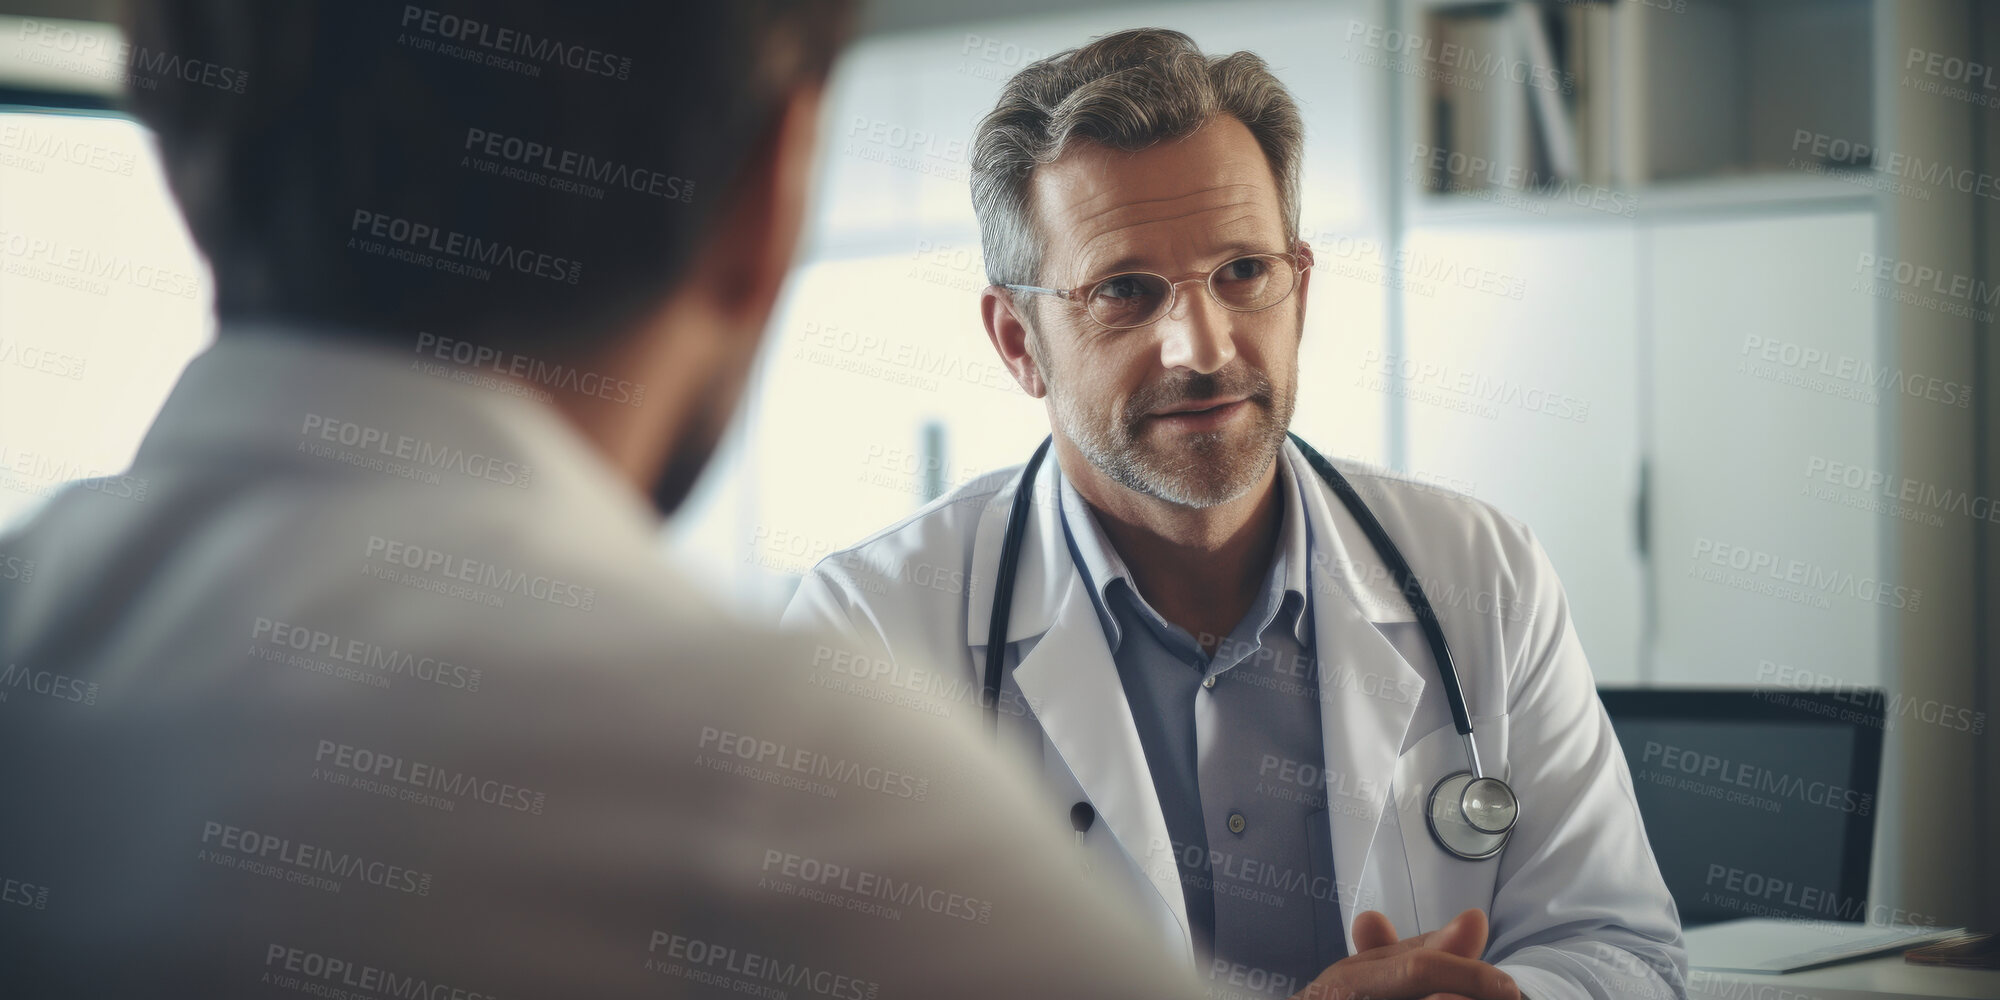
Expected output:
(103, 299)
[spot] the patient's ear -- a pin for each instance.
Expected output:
(1009, 334)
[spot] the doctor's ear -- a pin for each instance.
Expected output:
(1008, 331)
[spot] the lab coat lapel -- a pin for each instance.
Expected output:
(1368, 696)
(1072, 684)
(1070, 681)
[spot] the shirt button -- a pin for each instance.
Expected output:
(1208, 682)
(1237, 823)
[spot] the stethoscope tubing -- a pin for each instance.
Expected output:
(1385, 547)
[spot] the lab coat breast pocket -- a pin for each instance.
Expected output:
(1442, 884)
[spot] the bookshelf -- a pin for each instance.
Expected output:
(1678, 183)
(1614, 106)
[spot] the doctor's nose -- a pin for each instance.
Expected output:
(1196, 333)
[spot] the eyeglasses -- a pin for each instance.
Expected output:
(1250, 283)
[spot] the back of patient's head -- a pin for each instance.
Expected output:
(366, 161)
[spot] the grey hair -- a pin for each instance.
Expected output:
(1126, 90)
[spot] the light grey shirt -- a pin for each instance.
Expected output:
(1226, 737)
(421, 714)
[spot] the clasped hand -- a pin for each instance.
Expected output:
(1443, 963)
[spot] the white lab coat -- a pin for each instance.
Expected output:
(1576, 902)
(542, 765)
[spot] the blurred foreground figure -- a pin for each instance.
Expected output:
(364, 680)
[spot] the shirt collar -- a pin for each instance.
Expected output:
(273, 393)
(1091, 550)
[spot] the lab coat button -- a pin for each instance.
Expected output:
(1208, 682)
(1237, 823)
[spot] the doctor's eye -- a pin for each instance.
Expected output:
(1127, 299)
(1253, 282)
(1243, 269)
(1126, 287)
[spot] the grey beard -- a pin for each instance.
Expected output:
(1182, 485)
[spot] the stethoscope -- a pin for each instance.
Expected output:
(1470, 812)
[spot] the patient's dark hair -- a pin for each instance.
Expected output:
(307, 140)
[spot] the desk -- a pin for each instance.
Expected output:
(1869, 979)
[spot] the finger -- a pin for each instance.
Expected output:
(1388, 950)
(1423, 971)
(1465, 935)
(1427, 939)
(1373, 930)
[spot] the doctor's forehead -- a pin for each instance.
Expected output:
(1174, 206)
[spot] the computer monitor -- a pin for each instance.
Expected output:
(1758, 802)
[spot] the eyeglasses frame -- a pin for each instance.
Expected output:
(1301, 258)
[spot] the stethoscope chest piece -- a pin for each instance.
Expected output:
(1471, 817)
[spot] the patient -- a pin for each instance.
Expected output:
(380, 689)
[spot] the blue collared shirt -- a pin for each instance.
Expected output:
(1234, 745)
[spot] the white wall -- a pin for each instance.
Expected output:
(1746, 318)
(1521, 373)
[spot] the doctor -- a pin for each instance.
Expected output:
(1230, 685)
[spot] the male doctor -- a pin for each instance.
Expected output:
(1208, 662)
